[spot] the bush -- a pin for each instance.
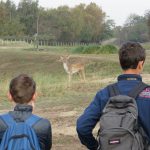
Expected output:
(91, 49)
(96, 49)
(107, 49)
(78, 49)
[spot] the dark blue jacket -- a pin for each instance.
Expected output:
(87, 121)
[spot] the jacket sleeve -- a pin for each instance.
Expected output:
(3, 128)
(48, 141)
(88, 120)
(44, 134)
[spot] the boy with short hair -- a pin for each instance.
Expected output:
(132, 57)
(22, 91)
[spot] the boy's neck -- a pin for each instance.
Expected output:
(131, 71)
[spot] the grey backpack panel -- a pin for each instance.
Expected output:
(119, 122)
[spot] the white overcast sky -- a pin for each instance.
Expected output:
(118, 10)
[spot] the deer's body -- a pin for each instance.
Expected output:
(73, 68)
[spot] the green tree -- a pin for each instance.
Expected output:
(93, 23)
(81, 23)
(11, 8)
(9, 23)
(107, 30)
(147, 17)
(134, 29)
(28, 12)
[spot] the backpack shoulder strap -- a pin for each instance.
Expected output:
(7, 118)
(32, 120)
(113, 90)
(137, 90)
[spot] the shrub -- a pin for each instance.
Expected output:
(107, 49)
(91, 49)
(78, 49)
(96, 49)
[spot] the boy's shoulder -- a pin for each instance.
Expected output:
(3, 125)
(42, 124)
(43, 121)
(104, 92)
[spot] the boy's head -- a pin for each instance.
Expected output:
(130, 55)
(22, 89)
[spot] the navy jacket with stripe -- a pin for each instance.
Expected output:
(90, 117)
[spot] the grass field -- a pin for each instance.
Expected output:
(56, 101)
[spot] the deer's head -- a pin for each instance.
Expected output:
(64, 59)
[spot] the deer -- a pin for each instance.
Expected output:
(72, 68)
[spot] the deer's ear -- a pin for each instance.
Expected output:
(61, 57)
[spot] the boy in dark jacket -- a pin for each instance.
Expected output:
(22, 91)
(132, 56)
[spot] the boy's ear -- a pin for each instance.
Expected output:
(140, 65)
(34, 96)
(9, 96)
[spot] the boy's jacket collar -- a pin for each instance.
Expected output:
(23, 107)
(129, 77)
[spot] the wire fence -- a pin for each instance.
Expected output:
(40, 42)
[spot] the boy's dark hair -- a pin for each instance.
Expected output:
(130, 54)
(22, 89)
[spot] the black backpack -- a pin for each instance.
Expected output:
(119, 128)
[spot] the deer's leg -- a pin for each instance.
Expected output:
(80, 75)
(69, 76)
(83, 74)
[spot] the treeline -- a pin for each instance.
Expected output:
(135, 28)
(83, 23)
(18, 20)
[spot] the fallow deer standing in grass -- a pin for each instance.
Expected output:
(72, 68)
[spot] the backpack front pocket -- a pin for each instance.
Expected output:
(116, 139)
